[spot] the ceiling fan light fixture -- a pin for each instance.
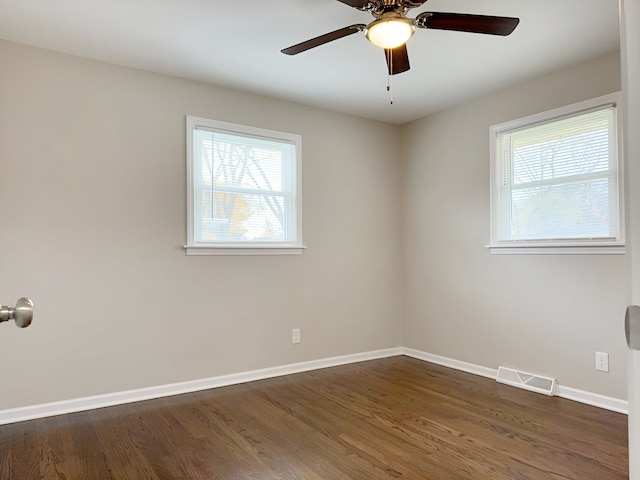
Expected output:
(390, 32)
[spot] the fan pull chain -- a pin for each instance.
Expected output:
(389, 77)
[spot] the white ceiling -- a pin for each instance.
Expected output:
(237, 43)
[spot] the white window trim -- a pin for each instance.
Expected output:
(583, 246)
(249, 248)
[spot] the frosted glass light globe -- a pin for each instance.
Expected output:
(390, 32)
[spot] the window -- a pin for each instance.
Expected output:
(556, 181)
(243, 187)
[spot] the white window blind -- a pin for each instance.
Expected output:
(244, 187)
(557, 179)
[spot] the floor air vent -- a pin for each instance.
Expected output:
(528, 381)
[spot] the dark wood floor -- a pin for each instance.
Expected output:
(391, 418)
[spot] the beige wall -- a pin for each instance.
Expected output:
(92, 208)
(93, 215)
(542, 313)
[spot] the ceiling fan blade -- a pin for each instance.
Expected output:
(463, 22)
(412, 3)
(322, 39)
(359, 4)
(397, 59)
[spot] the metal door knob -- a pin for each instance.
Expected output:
(22, 313)
(632, 327)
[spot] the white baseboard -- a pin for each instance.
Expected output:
(582, 396)
(451, 363)
(594, 399)
(119, 398)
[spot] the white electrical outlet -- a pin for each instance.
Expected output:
(295, 335)
(602, 361)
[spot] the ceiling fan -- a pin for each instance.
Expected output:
(391, 28)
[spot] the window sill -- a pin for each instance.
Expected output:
(609, 248)
(243, 250)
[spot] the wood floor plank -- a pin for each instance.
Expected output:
(384, 419)
(117, 430)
